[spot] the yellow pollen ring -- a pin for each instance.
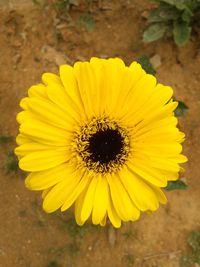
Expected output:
(82, 142)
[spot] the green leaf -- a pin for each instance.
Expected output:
(181, 109)
(163, 14)
(181, 32)
(171, 2)
(86, 20)
(146, 65)
(187, 16)
(154, 32)
(175, 185)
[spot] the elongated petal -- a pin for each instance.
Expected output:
(100, 203)
(60, 192)
(43, 160)
(44, 179)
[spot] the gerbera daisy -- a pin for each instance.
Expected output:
(101, 136)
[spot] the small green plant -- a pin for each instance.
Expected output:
(172, 18)
(130, 235)
(194, 256)
(53, 263)
(181, 109)
(146, 64)
(176, 185)
(128, 259)
(65, 4)
(5, 139)
(86, 21)
(11, 163)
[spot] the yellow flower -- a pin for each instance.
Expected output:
(101, 136)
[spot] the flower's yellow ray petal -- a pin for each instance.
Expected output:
(51, 78)
(114, 70)
(43, 160)
(149, 174)
(22, 139)
(170, 176)
(57, 94)
(71, 86)
(159, 194)
(158, 133)
(25, 116)
(38, 90)
(159, 114)
(30, 147)
(87, 87)
(60, 192)
(96, 67)
(44, 179)
(45, 192)
(139, 94)
(89, 199)
(130, 77)
(169, 121)
(112, 214)
(161, 95)
(99, 70)
(121, 200)
(180, 159)
(24, 103)
(76, 192)
(153, 149)
(44, 133)
(103, 222)
(79, 204)
(140, 192)
(100, 202)
(50, 113)
(162, 163)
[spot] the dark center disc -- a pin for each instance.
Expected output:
(105, 146)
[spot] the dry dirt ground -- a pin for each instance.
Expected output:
(34, 38)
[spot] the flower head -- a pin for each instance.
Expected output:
(101, 136)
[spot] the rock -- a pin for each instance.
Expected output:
(52, 55)
(111, 236)
(156, 61)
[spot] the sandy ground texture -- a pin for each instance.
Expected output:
(35, 38)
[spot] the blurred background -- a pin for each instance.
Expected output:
(37, 36)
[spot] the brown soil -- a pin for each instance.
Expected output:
(34, 39)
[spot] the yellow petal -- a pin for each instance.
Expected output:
(48, 178)
(129, 79)
(112, 214)
(51, 78)
(121, 200)
(140, 192)
(100, 200)
(30, 147)
(161, 95)
(22, 139)
(38, 90)
(57, 94)
(60, 192)
(50, 113)
(70, 84)
(78, 206)
(89, 200)
(43, 160)
(140, 94)
(44, 133)
(76, 192)
(147, 173)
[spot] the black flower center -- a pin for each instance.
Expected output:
(102, 145)
(105, 146)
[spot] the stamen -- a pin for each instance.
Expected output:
(102, 145)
